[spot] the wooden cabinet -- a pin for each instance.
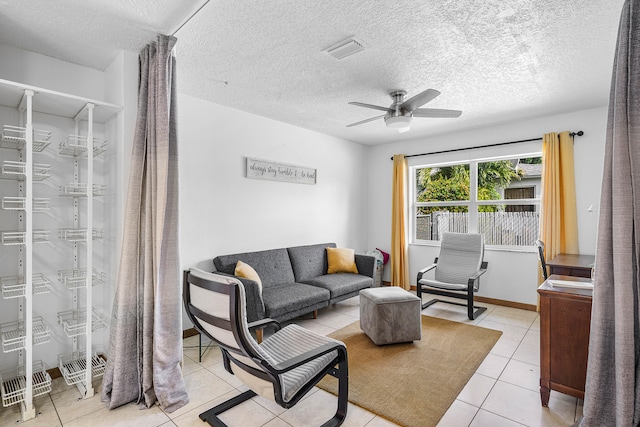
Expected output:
(565, 319)
(571, 265)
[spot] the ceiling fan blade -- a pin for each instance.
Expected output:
(365, 121)
(419, 99)
(375, 107)
(437, 113)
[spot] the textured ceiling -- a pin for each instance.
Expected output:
(496, 60)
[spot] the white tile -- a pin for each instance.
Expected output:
(505, 347)
(70, 405)
(247, 414)
(219, 370)
(511, 332)
(532, 337)
(192, 419)
(336, 321)
(202, 386)
(380, 422)
(522, 374)
(45, 414)
(510, 319)
(528, 352)
(476, 390)
(320, 407)
(270, 405)
(487, 419)
(126, 415)
(190, 366)
(510, 311)
(211, 356)
(492, 365)
(277, 422)
(523, 406)
(459, 414)
(536, 324)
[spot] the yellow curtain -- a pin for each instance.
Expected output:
(559, 217)
(399, 261)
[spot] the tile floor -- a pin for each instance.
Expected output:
(502, 392)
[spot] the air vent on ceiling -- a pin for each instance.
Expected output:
(345, 48)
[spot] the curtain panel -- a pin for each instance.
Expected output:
(612, 394)
(145, 345)
(399, 258)
(559, 217)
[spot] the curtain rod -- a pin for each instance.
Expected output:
(579, 133)
(189, 18)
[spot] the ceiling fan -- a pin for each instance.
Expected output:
(399, 114)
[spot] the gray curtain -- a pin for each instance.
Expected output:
(612, 396)
(145, 346)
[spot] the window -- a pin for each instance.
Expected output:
(499, 198)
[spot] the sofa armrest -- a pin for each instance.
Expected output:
(255, 304)
(366, 264)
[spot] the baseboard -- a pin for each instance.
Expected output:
(191, 332)
(500, 302)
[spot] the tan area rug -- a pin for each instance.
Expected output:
(413, 384)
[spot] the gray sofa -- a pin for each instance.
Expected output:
(295, 280)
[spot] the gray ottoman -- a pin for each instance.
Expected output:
(390, 315)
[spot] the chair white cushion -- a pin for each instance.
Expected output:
(290, 342)
(443, 285)
(460, 257)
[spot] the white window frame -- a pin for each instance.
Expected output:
(472, 204)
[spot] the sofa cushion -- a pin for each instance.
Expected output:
(309, 261)
(273, 266)
(285, 298)
(341, 260)
(246, 271)
(339, 284)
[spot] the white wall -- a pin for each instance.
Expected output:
(512, 276)
(222, 211)
(46, 72)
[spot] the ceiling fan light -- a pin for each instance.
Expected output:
(398, 122)
(403, 130)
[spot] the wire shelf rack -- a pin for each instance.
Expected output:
(15, 138)
(39, 204)
(76, 145)
(15, 286)
(13, 334)
(73, 366)
(14, 384)
(20, 237)
(79, 234)
(74, 322)
(18, 171)
(77, 278)
(80, 190)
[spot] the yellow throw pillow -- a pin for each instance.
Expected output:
(246, 271)
(341, 260)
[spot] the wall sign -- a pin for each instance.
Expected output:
(264, 169)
